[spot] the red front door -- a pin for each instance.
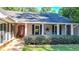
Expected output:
(21, 31)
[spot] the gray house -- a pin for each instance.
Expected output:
(26, 24)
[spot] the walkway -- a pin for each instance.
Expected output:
(15, 45)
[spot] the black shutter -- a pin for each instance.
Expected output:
(40, 29)
(55, 29)
(68, 30)
(60, 29)
(33, 29)
(52, 29)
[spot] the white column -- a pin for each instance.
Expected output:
(0, 33)
(57, 29)
(3, 32)
(65, 29)
(10, 30)
(42, 29)
(72, 29)
(6, 31)
(26, 29)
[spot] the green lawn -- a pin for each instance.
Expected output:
(64, 47)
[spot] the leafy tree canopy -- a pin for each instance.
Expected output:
(30, 9)
(45, 9)
(22, 9)
(70, 12)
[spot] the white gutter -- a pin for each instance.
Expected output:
(23, 21)
(46, 23)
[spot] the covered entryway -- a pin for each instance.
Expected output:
(20, 30)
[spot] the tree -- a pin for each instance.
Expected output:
(70, 12)
(32, 9)
(45, 9)
(22, 9)
(53, 11)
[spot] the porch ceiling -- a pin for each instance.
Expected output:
(6, 20)
(9, 20)
(1, 21)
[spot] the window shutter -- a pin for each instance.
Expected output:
(60, 30)
(33, 29)
(55, 29)
(52, 29)
(68, 30)
(40, 29)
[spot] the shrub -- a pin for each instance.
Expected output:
(29, 40)
(40, 40)
(65, 40)
(54, 39)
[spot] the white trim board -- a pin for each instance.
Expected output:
(47, 23)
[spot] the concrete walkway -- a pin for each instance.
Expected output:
(15, 45)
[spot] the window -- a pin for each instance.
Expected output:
(37, 29)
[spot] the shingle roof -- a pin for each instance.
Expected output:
(2, 15)
(33, 17)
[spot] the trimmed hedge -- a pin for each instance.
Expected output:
(54, 39)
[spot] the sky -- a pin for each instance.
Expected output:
(56, 8)
(53, 8)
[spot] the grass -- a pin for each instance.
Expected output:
(64, 47)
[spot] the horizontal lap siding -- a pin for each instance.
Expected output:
(29, 29)
(76, 30)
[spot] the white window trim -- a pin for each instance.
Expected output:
(35, 28)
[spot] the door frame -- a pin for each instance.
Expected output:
(18, 33)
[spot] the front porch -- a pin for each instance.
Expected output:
(51, 29)
(9, 30)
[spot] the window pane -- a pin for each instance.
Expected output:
(36, 29)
